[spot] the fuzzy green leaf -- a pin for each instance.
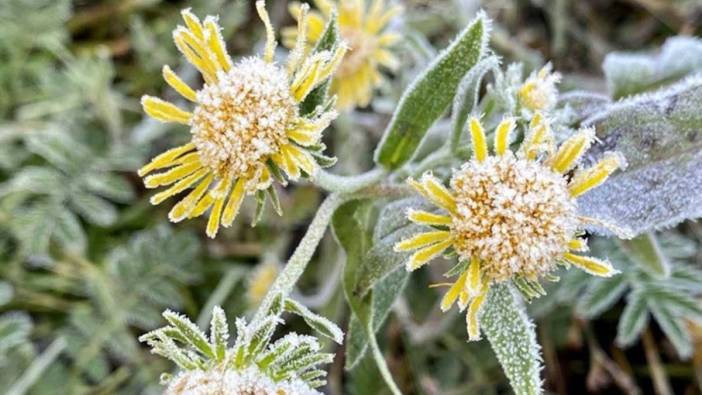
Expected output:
(431, 94)
(632, 73)
(646, 251)
(328, 42)
(513, 339)
(660, 135)
(315, 321)
(633, 320)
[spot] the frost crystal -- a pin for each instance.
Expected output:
(515, 215)
(249, 381)
(242, 117)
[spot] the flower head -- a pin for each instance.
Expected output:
(363, 27)
(246, 123)
(511, 216)
(250, 381)
(539, 93)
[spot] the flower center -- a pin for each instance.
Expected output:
(242, 118)
(361, 47)
(514, 214)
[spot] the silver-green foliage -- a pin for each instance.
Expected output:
(291, 357)
(660, 134)
(431, 94)
(632, 73)
(513, 339)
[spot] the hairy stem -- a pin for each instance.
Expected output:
(297, 263)
(347, 184)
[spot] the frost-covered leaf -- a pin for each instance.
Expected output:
(646, 251)
(632, 73)
(601, 295)
(327, 42)
(385, 292)
(467, 95)
(110, 186)
(673, 327)
(315, 321)
(660, 135)
(15, 328)
(633, 320)
(94, 209)
(512, 337)
(431, 94)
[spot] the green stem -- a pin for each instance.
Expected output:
(380, 362)
(347, 184)
(220, 293)
(287, 278)
(38, 366)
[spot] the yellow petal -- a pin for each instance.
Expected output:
(387, 59)
(178, 187)
(450, 297)
(164, 111)
(572, 149)
(427, 218)
(472, 322)
(502, 133)
(216, 45)
(193, 23)
(578, 244)
(195, 53)
(300, 14)
(421, 240)
(478, 136)
(183, 208)
(234, 203)
(539, 135)
(596, 175)
(178, 85)
(172, 175)
(474, 283)
(165, 159)
(426, 254)
(219, 195)
(302, 158)
(591, 265)
(437, 193)
(270, 33)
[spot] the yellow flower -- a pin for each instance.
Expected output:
(246, 125)
(511, 216)
(539, 93)
(363, 27)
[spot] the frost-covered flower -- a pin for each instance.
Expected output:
(511, 216)
(250, 381)
(363, 27)
(246, 123)
(539, 93)
(254, 365)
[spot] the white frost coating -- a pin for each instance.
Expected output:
(660, 135)
(513, 338)
(628, 73)
(303, 253)
(249, 381)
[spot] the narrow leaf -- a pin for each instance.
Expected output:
(431, 94)
(513, 339)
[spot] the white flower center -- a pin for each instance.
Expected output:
(242, 118)
(514, 214)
